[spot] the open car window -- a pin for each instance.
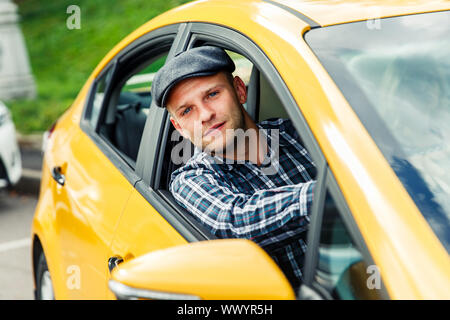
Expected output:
(121, 97)
(125, 125)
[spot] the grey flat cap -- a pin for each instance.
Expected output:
(196, 62)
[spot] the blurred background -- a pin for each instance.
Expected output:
(47, 51)
(62, 59)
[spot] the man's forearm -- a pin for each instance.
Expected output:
(236, 215)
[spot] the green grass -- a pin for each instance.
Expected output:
(62, 59)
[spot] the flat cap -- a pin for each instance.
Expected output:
(196, 62)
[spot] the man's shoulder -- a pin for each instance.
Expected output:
(276, 123)
(285, 127)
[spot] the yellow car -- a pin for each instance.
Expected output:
(367, 85)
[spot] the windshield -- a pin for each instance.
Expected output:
(395, 73)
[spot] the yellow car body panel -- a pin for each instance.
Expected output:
(71, 212)
(412, 261)
(141, 230)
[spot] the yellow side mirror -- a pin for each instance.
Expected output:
(217, 269)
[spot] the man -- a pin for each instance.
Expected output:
(226, 185)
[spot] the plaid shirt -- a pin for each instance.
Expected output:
(240, 200)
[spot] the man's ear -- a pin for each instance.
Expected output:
(241, 90)
(177, 126)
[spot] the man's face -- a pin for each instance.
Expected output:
(204, 109)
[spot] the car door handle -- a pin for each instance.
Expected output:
(58, 176)
(113, 262)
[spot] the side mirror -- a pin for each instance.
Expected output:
(216, 269)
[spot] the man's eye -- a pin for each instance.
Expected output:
(213, 94)
(186, 111)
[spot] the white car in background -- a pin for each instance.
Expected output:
(10, 160)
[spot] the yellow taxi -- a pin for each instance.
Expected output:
(367, 86)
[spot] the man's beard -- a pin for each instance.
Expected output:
(231, 139)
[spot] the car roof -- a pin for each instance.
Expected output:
(311, 13)
(325, 13)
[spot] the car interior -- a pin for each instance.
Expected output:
(123, 121)
(129, 122)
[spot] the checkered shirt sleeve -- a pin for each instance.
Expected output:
(230, 214)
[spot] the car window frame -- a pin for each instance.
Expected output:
(88, 109)
(124, 164)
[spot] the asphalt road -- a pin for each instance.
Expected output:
(16, 214)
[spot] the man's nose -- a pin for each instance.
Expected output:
(206, 113)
